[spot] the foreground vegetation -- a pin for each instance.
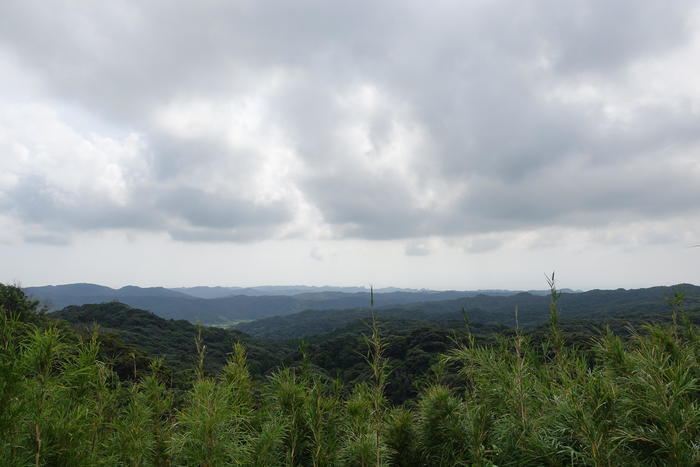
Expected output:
(523, 400)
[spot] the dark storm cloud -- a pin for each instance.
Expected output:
(472, 86)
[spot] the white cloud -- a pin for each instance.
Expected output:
(417, 248)
(485, 124)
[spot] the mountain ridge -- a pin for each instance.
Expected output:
(484, 309)
(231, 310)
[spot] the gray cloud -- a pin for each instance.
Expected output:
(203, 209)
(417, 248)
(316, 254)
(480, 244)
(188, 214)
(47, 239)
(625, 30)
(403, 120)
(239, 235)
(37, 202)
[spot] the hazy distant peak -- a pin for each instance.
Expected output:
(82, 288)
(95, 292)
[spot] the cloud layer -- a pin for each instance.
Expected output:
(241, 121)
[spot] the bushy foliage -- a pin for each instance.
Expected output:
(172, 339)
(522, 401)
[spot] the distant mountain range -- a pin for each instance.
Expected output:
(223, 305)
(247, 308)
(68, 291)
(483, 309)
(220, 292)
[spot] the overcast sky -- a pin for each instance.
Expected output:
(443, 144)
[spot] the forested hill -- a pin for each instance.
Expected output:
(532, 310)
(174, 340)
(412, 347)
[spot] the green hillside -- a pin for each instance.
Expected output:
(173, 340)
(485, 309)
(517, 399)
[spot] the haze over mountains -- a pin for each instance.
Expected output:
(219, 292)
(220, 305)
(483, 309)
(296, 311)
